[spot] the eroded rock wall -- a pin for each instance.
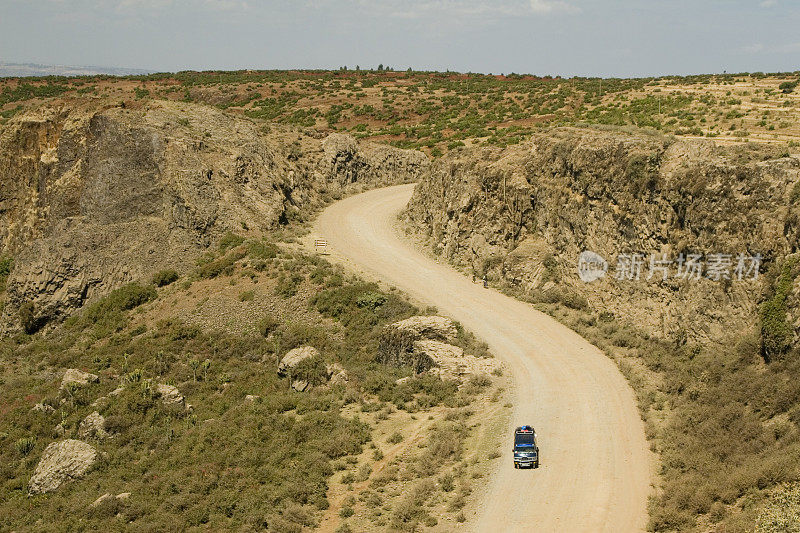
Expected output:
(523, 214)
(93, 195)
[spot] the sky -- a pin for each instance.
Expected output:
(610, 38)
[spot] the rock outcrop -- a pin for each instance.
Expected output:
(337, 375)
(450, 362)
(92, 427)
(418, 343)
(61, 462)
(93, 196)
(170, 395)
(293, 357)
(78, 377)
(429, 327)
(523, 214)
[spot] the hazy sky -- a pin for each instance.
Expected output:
(566, 37)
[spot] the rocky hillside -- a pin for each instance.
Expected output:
(524, 214)
(94, 195)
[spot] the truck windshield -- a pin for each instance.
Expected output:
(524, 439)
(524, 449)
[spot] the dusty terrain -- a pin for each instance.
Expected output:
(596, 468)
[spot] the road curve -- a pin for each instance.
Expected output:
(595, 471)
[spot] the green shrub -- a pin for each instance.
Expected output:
(395, 438)
(165, 277)
(268, 325)
(776, 332)
(371, 300)
(6, 264)
(222, 265)
(25, 445)
(788, 86)
(125, 298)
(230, 240)
(313, 370)
(27, 318)
(289, 285)
(261, 250)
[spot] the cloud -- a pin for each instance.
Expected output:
(768, 3)
(754, 48)
(760, 48)
(151, 5)
(412, 9)
(550, 6)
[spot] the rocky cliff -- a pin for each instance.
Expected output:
(94, 194)
(522, 215)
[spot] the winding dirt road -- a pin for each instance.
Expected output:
(595, 471)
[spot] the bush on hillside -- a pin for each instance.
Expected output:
(165, 277)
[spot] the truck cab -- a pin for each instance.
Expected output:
(526, 452)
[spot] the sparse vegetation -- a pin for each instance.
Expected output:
(163, 278)
(439, 112)
(162, 453)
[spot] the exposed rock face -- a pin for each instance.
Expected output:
(170, 395)
(401, 341)
(92, 427)
(337, 375)
(450, 362)
(293, 358)
(396, 348)
(301, 385)
(377, 164)
(105, 498)
(524, 214)
(93, 196)
(416, 342)
(43, 408)
(61, 462)
(438, 350)
(430, 327)
(78, 377)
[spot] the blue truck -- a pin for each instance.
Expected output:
(526, 452)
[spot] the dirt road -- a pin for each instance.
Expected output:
(595, 471)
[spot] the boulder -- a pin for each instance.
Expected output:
(92, 427)
(101, 500)
(43, 408)
(337, 375)
(61, 462)
(73, 375)
(396, 348)
(450, 362)
(438, 351)
(170, 395)
(123, 495)
(300, 385)
(250, 398)
(428, 327)
(293, 358)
